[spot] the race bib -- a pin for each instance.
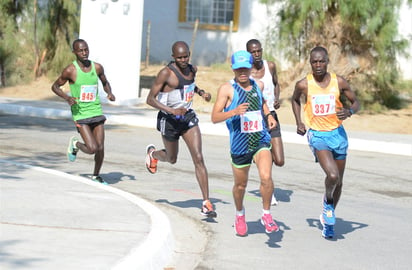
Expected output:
(189, 92)
(251, 122)
(323, 104)
(88, 93)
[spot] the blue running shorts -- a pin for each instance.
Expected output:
(335, 141)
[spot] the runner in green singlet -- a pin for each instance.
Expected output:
(84, 101)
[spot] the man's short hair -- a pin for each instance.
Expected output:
(319, 49)
(77, 41)
(252, 41)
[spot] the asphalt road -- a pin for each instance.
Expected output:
(373, 216)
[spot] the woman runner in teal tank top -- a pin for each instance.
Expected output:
(247, 131)
(241, 104)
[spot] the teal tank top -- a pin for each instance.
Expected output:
(247, 131)
(85, 90)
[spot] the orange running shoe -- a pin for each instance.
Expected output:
(151, 163)
(207, 209)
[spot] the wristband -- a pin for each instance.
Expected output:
(267, 115)
(351, 111)
(201, 92)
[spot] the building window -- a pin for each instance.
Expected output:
(212, 14)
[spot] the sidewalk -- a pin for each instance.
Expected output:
(52, 220)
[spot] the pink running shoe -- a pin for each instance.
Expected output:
(269, 223)
(240, 226)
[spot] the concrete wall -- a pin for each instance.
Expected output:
(405, 29)
(113, 31)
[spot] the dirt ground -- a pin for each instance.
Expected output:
(393, 121)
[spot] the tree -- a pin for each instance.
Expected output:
(35, 37)
(63, 20)
(60, 24)
(9, 45)
(361, 37)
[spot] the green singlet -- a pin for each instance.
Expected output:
(85, 90)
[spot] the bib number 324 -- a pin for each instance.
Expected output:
(251, 122)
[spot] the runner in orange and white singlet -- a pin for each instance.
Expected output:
(324, 114)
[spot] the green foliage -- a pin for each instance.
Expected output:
(10, 45)
(36, 36)
(405, 87)
(365, 32)
(64, 22)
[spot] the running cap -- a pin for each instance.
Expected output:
(242, 59)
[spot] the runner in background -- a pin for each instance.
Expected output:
(265, 71)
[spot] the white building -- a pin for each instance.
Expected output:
(113, 28)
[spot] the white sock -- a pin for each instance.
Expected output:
(75, 144)
(241, 212)
(265, 212)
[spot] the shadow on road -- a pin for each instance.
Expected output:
(255, 227)
(193, 203)
(342, 227)
(282, 195)
(113, 177)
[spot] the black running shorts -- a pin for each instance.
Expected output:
(92, 122)
(274, 133)
(172, 128)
